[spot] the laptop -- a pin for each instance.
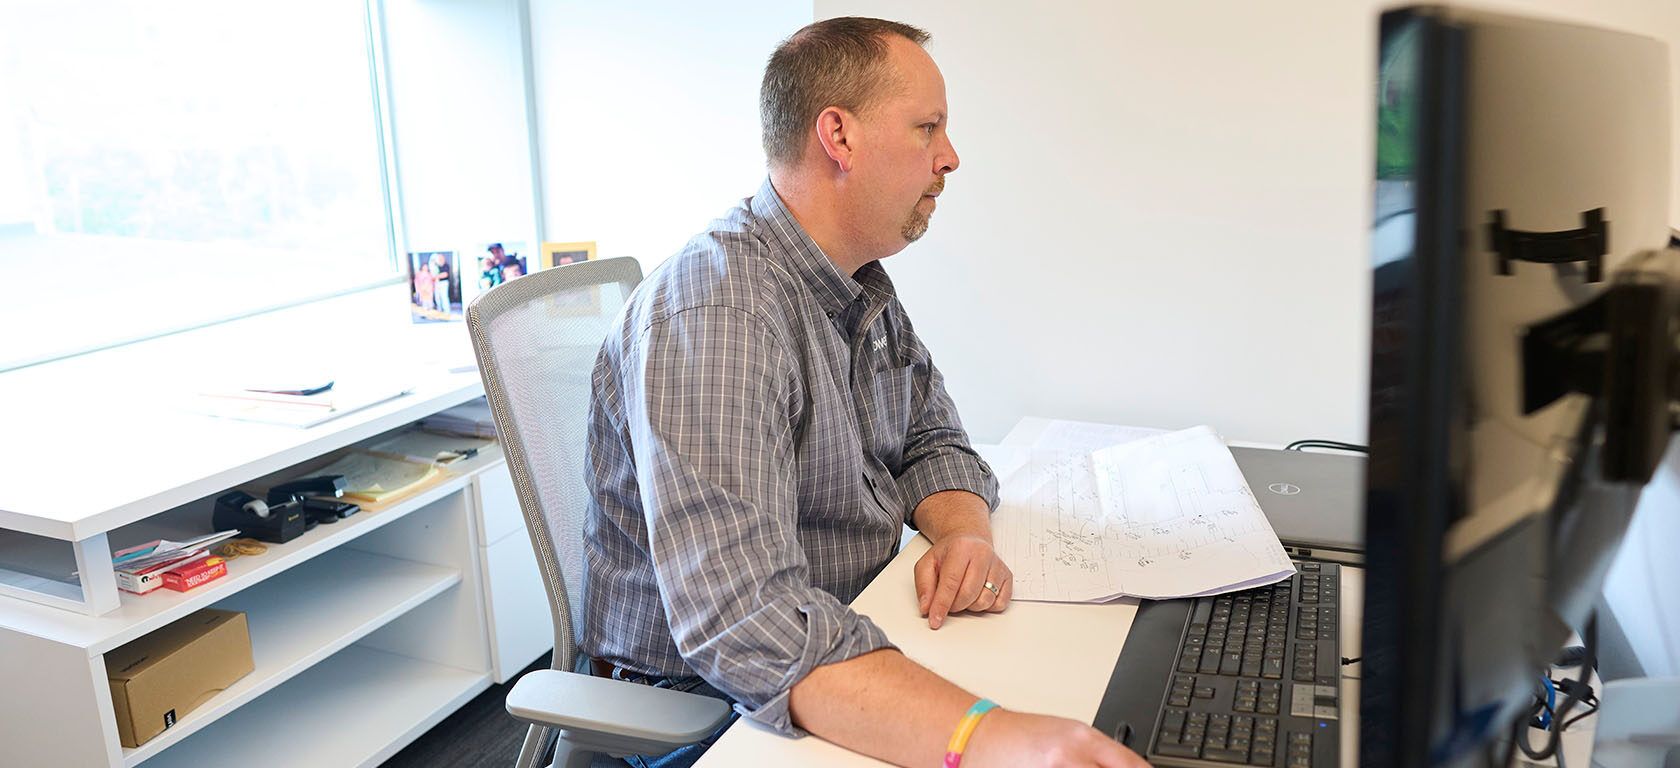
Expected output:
(1251, 677)
(1315, 501)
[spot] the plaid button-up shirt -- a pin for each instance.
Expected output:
(761, 427)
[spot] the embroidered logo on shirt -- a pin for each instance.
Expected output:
(880, 343)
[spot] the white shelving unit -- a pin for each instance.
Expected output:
(357, 708)
(304, 616)
(364, 632)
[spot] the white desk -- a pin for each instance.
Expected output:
(1049, 658)
(365, 632)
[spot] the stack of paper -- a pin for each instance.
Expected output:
(374, 480)
(1160, 515)
(164, 551)
(431, 447)
(296, 410)
(470, 418)
(140, 569)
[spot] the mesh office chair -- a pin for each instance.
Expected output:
(536, 339)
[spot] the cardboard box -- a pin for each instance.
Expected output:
(202, 571)
(141, 580)
(159, 678)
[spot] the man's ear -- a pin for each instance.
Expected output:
(837, 133)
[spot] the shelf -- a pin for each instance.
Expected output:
(139, 614)
(305, 615)
(356, 708)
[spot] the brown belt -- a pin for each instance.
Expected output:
(602, 668)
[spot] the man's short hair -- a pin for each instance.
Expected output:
(833, 63)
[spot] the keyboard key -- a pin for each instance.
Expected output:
(1205, 692)
(1210, 663)
(1173, 720)
(1272, 668)
(1231, 664)
(1178, 750)
(1189, 663)
(1225, 755)
(1261, 756)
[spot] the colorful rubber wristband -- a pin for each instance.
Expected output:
(965, 729)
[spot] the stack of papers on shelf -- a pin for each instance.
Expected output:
(375, 480)
(296, 410)
(165, 551)
(1160, 515)
(470, 418)
(140, 569)
(431, 447)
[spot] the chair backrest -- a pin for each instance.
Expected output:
(536, 339)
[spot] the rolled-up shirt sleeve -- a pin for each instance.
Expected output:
(937, 453)
(712, 435)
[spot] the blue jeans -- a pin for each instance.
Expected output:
(682, 757)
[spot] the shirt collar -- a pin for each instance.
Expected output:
(834, 289)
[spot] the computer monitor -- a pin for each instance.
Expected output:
(1521, 360)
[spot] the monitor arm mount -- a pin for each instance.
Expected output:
(1623, 348)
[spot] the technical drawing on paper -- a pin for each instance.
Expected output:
(1166, 516)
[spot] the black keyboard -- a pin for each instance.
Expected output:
(1246, 678)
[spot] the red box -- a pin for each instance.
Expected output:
(195, 573)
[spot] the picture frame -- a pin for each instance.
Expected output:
(497, 262)
(561, 254)
(428, 272)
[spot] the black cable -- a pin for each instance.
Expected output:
(1581, 716)
(1346, 661)
(1317, 443)
(1519, 731)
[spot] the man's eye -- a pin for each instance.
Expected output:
(929, 128)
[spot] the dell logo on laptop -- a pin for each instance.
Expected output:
(1284, 489)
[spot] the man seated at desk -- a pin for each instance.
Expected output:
(765, 419)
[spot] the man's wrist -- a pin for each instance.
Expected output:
(982, 746)
(954, 513)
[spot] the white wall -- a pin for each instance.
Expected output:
(648, 115)
(1160, 217)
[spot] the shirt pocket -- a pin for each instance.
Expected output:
(891, 394)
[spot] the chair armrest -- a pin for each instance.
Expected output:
(615, 708)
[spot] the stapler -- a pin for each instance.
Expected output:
(309, 492)
(288, 512)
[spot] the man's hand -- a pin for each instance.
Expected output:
(952, 576)
(1005, 739)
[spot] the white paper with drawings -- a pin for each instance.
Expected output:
(1164, 516)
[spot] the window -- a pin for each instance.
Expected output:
(167, 165)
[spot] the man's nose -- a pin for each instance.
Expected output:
(947, 160)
